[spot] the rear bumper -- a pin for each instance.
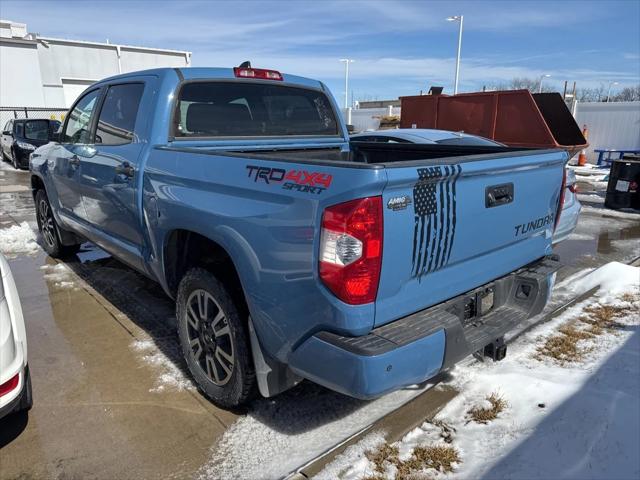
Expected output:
(12, 401)
(415, 348)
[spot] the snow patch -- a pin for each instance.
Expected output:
(171, 377)
(626, 214)
(59, 276)
(18, 239)
(579, 420)
(612, 278)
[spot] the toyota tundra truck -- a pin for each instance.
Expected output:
(292, 253)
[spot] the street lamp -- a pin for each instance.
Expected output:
(542, 77)
(457, 18)
(346, 61)
(609, 92)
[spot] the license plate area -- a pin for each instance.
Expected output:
(473, 306)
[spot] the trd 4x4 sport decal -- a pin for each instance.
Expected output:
(300, 180)
(434, 204)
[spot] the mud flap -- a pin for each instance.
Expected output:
(273, 377)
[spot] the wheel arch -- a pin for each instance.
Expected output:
(185, 249)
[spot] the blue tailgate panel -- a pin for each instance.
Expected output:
(444, 241)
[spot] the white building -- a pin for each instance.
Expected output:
(37, 71)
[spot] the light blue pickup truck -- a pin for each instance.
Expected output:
(292, 253)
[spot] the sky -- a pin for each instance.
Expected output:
(399, 47)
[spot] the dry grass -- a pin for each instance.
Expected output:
(570, 344)
(437, 457)
(488, 414)
(385, 454)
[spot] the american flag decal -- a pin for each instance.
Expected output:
(434, 204)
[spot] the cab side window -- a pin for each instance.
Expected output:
(9, 127)
(78, 128)
(19, 133)
(118, 115)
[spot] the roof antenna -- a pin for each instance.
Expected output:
(246, 64)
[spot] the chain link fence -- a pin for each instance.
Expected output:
(10, 113)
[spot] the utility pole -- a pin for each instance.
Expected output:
(460, 19)
(542, 77)
(346, 61)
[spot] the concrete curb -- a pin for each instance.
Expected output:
(394, 425)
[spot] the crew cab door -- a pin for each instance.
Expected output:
(65, 157)
(110, 173)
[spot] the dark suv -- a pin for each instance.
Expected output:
(23, 136)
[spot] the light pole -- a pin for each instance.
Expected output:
(542, 77)
(457, 18)
(346, 61)
(609, 92)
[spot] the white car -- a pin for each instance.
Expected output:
(15, 381)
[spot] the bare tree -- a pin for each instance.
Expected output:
(522, 83)
(627, 94)
(595, 94)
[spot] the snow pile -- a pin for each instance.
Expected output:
(279, 435)
(562, 420)
(611, 278)
(59, 275)
(171, 377)
(18, 239)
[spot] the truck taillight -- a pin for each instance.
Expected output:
(351, 249)
(249, 72)
(561, 200)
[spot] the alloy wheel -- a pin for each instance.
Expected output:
(209, 336)
(47, 228)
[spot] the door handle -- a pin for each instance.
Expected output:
(125, 169)
(497, 195)
(75, 161)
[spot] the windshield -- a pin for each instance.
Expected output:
(239, 109)
(36, 130)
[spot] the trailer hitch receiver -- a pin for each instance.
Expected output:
(496, 350)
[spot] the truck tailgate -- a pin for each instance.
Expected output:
(451, 225)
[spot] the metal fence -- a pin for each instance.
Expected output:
(10, 113)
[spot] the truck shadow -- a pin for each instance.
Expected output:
(592, 434)
(305, 407)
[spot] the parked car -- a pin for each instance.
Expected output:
(15, 381)
(22, 136)
(571, 206)
(292, 252)
(422, 135)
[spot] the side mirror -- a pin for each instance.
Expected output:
(351, 128)
(6, 132)
(57, 135)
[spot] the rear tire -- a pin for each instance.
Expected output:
(50, 230)
(214, 339)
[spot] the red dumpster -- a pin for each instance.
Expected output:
(514, 117)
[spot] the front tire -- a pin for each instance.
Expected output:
(49, 229)
(214, 339)
(14, 160)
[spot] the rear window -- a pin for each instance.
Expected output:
(37, 130)
(234, 109)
